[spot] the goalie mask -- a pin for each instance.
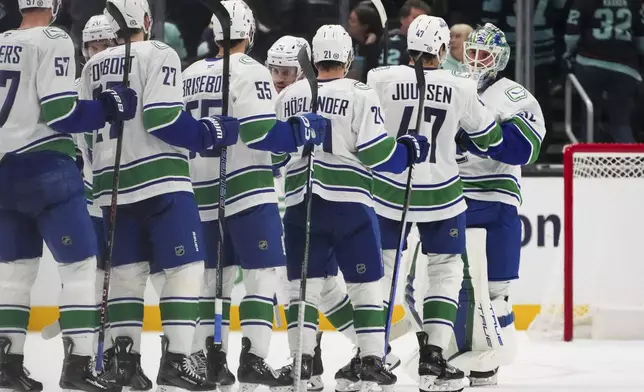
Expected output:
(97, 36)
(53, 4)
(485, 53)
(282, 61)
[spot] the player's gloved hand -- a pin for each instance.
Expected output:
(120, 103)
(309, 128)
(223, 129)
(418, 147)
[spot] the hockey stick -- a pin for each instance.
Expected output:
(124, 31)
(385, 29)
(420, 83)
(309, 73)
(223, 16)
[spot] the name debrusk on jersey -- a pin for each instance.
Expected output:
(149, 166)
(44, 55)
(358, 142)
(451, 102)
(252, 100)
(491, 180)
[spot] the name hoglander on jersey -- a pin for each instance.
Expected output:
(435, 92)
(327, 105)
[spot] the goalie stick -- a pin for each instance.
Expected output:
(124, 31)
(309, 73)
(223, 16)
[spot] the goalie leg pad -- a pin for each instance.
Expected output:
(16, 280)
(205, 327)
(368, 316)
(337, 307)
(256, 308)
(314, 288)
(125, 305)
(179, 305)
(77, 304)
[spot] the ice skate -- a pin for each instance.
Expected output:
(484, 379)
(253, 371)
(177, 373)
(13, 375)
(217, 366)
(348, 377)
(374, 374)
(125, 365)
(286, 375)
(78, 374)
(434, 371)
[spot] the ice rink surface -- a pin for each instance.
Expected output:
(583, 365)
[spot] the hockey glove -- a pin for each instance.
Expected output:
(119, 102)
(417, 147)
(309, 128)
(224, 130)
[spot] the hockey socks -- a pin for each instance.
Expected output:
(368, 317)
(337, 308)
(256, 308)
(16, 280)
(125, 306)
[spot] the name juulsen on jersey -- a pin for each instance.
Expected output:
(202, 84)
(435, 92)
(10, 54)
(327, 105)
(109, 66)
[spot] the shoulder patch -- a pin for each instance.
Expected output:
(159, 45)
(361, 86)
(461, 74)
(516, 93)
(247, 60)
(55, 33)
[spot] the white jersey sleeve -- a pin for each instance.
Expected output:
(163, 93)
(254, 100)
(373, 144)
(478, 121)
(55, 76)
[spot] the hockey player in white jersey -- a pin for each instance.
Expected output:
(41, 197)
(493, 194)
(437, 203)
(343, 221)
(253, 229)
(157, 226)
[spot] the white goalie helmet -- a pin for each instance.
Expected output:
(134, 12)
(53, 4)
(428, 34)
(332, 43)
(242, 22)
(284, 52)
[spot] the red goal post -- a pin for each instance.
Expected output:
(596, 289)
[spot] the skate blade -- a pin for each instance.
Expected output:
(484, 381)
(224, 388)
(387, 388)
(368, 386)
(289, 388)
(343, 385)
(432, 384)
(315, 384)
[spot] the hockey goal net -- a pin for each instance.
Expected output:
(598, 288)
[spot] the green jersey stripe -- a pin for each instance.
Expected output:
(247, 180)
(502, 185)
(377, 153)
(157, 118)
(529, 134)
(438, 195)
(491, 138)
(253, 132)
(58, 109)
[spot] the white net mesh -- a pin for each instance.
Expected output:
(608, 206)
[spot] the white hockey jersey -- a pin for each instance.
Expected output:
(489, 180)
(357, 142)
(37, 70)
(149, 166)
(451, 102)
(252, 101)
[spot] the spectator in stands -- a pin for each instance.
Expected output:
(454, 59)
(365, 29)
(607, 49)
(398, 37)
(172, 37)
(9, 16)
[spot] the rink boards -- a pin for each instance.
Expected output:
(542, 253)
